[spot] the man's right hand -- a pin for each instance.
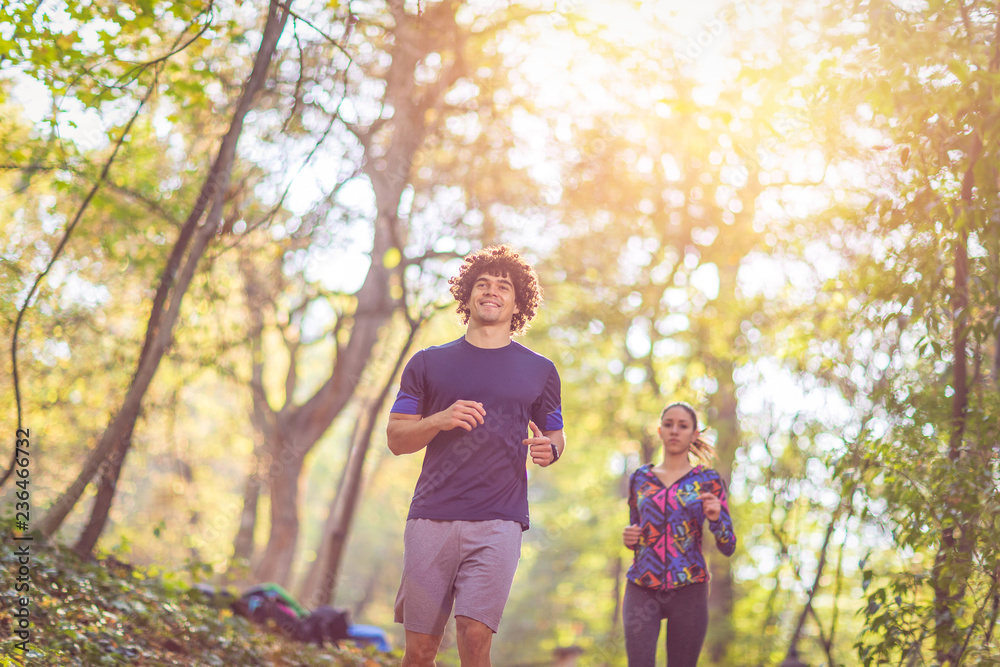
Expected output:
(461, 414)
(406, 434)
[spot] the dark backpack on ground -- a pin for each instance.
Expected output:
(270, 604)
(326, 624)
(266, 609)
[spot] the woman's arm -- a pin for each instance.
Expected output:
(633, 532)
(722, 525)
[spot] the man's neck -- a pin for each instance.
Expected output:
(488, 336)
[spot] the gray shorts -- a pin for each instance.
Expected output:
(468, 564)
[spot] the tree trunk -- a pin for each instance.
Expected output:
(369, 590)
(721, 594)
(949, 584)
(960, 305)
(320, 584)
(243, 542)
(115, 441)
(725, 421)
(285, 470)
(302, 427)
(108, 481)
(261, 416)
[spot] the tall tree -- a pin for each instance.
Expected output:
(915, 102)
(394, 138)
(415, 117)
(197, 232)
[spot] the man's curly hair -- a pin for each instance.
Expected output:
(500, 261)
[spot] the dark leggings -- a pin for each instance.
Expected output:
(686, 611)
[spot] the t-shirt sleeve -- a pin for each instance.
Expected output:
(410, 397)
(547, 410)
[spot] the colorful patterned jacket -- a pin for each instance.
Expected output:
(668, 555)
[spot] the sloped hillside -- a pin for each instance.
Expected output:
(110, 613)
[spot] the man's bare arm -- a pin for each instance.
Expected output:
(407, 434)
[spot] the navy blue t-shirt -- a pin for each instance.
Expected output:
(480, 474)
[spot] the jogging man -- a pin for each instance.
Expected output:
(470, 403)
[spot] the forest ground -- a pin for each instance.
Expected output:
(108, 612)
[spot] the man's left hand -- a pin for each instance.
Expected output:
(540, 445)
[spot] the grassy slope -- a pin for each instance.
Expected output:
(108, 613)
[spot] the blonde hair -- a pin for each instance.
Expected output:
(702, 451)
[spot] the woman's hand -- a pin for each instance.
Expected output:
(631, 536)
(710, 505)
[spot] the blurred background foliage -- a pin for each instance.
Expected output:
(785, 213)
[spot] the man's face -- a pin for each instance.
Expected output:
(492, 299)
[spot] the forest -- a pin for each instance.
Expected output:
(226, 225)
